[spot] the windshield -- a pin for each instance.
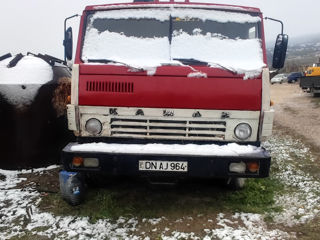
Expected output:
(154, 37)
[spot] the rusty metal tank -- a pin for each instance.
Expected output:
(33, 123)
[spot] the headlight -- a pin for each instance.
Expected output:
(94, 126)
(243, 131)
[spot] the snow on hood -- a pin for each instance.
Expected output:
(20, 84)
(137, 52)
(240, 56)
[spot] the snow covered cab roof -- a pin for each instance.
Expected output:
(248, 49)
(170, 3)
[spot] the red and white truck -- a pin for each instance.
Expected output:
(169, 89)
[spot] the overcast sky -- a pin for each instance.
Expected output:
(37, 25)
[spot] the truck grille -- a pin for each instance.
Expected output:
(168, 128)
(107, 86)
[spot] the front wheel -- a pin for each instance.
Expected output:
(236, 183)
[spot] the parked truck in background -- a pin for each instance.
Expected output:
(314, 70)
(311, 81)
(169, 90)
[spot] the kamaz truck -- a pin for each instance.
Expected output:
(169, 89)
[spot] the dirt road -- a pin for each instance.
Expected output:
(297, 111)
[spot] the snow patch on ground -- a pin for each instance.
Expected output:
(19, 212)
(302, 202)
(253, 227)
(20, 84)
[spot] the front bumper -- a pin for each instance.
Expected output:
(204, 161)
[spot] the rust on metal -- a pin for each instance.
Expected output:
(61, 96)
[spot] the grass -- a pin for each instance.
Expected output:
(186, 199)
(257, 197)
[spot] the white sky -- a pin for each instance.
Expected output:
(37, 25)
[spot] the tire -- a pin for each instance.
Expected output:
(73, 189)
(236, 183)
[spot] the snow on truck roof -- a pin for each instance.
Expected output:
(175, 4)
(242, 54)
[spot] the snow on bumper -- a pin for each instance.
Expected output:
(203, 160)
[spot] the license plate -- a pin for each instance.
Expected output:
(163, 166)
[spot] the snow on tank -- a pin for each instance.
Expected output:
(19, 85)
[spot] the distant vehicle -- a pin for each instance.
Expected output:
(311, 82)
(293, 77)
(280, 78)
(314, 70)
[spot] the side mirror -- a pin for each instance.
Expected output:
(280, 51)
(68, 44)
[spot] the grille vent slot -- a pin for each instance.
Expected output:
(108, 86)
(168, 129)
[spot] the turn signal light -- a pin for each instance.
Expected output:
(77, 161)
(271, 103)
(253, 167)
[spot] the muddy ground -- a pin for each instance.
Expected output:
(284, 206)
(297, 110)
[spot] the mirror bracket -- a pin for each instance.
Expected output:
(276, 20)
(65, 29)
(281, 46)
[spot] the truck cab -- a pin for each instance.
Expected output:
(170, 89)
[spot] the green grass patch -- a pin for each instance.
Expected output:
(187, 199)
(99, 204)
(257, 197)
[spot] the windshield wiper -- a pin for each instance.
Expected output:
(190, 61)
(224, 67)
(134, 69)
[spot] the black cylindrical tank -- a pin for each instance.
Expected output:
(33, 129)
